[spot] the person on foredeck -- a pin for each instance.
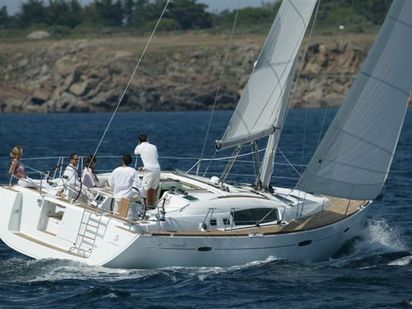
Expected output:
(124, 181)
(151, 168)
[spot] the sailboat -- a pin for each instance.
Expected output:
(201, 221)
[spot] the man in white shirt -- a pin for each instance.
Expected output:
(71, 177)
(124, 181)
(151, 168)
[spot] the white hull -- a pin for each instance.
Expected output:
(163, 251)
(28, 225)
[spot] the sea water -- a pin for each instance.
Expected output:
(373, 271)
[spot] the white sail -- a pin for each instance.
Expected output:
(355, 155)
(257, 113)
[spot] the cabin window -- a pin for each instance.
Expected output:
(225, 221)
(213, 222)
(254, 216)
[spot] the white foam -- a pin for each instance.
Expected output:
(380, 237)
(404, 261)
(109, 296)
(57, 270)
(23, 270)
(204, 273)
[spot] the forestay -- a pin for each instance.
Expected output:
(355, 155)
(257, 113)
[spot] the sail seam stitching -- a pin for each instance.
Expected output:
(281, 62)
(363, 140)
(400, 21)
(385, 82)
(299, 14)
(356, 167)
(348, 183)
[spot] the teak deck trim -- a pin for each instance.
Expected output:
(39, 242)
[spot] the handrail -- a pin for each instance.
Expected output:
(192, 170)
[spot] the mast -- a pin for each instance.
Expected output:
(266, 168)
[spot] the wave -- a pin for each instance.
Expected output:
(53, 270)
(379, 244)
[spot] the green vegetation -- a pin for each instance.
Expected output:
(68, 18)
(356, 16)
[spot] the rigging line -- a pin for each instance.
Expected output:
(225, 158)
(290, 163)
(220, 83)
(210, 162)
(324, 111)
(305, 125)
(350, 18)
(130, 79)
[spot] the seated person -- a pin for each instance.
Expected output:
(70, 175)
(89, 177)
(17, 170)
(123, 180)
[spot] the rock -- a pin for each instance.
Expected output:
(40, 96)
(44, 69)
(89, 75)
(73, 77)
(67, 65)
(37, 35)
(22, 63)
(62, 104)
(105, 99)
(122, 54)
(79, 89)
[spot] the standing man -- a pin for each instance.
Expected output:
(151, 168)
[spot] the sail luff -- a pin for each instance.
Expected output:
(354, 157)
(260, 104)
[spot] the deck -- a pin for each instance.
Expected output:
(338, 210)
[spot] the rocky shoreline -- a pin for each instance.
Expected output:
(178, 72)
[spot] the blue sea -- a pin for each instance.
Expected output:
(373, 271)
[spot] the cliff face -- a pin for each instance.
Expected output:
(180, 72)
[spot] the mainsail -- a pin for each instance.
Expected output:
(257, 113)
(355, 155)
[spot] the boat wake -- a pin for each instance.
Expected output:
(403, 261)
(379, 235)
(28, 270)
(380, 244)
(24, 270)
